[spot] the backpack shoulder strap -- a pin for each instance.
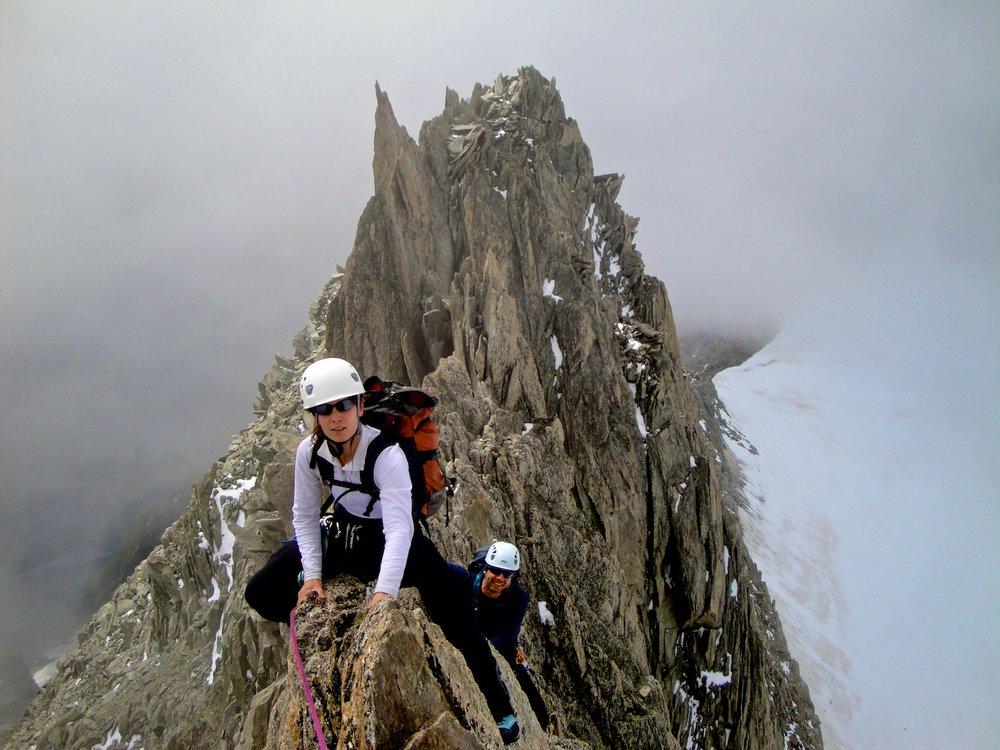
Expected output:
(318, 441)
(317, 462)
(381, 441)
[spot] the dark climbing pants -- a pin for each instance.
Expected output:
(523, 675)
(274, 589)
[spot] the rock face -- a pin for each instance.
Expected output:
(496, 270)
(381, 678)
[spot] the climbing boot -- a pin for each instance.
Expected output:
(509, 729)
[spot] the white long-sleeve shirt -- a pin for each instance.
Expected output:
(392, 477)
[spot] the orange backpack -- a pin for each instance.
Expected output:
(406, 414)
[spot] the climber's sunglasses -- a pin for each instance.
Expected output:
(324, 410)
(500, 572)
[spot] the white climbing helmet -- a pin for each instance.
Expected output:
(505, 556)
(329, 380)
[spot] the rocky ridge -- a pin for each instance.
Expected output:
(494, 268)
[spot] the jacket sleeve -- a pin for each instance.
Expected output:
(392, 477)
(307, 498)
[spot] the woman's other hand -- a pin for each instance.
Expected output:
(315, 586)
(376, 598)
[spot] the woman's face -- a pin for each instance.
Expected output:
(340, 426)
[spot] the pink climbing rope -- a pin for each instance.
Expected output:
(305, 685)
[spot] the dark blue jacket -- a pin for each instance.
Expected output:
(499, 619)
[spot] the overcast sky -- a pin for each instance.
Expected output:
(178, 180)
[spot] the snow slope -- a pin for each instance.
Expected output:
(874, 513)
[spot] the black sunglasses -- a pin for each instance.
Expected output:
(324, 410)
(500, 572)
